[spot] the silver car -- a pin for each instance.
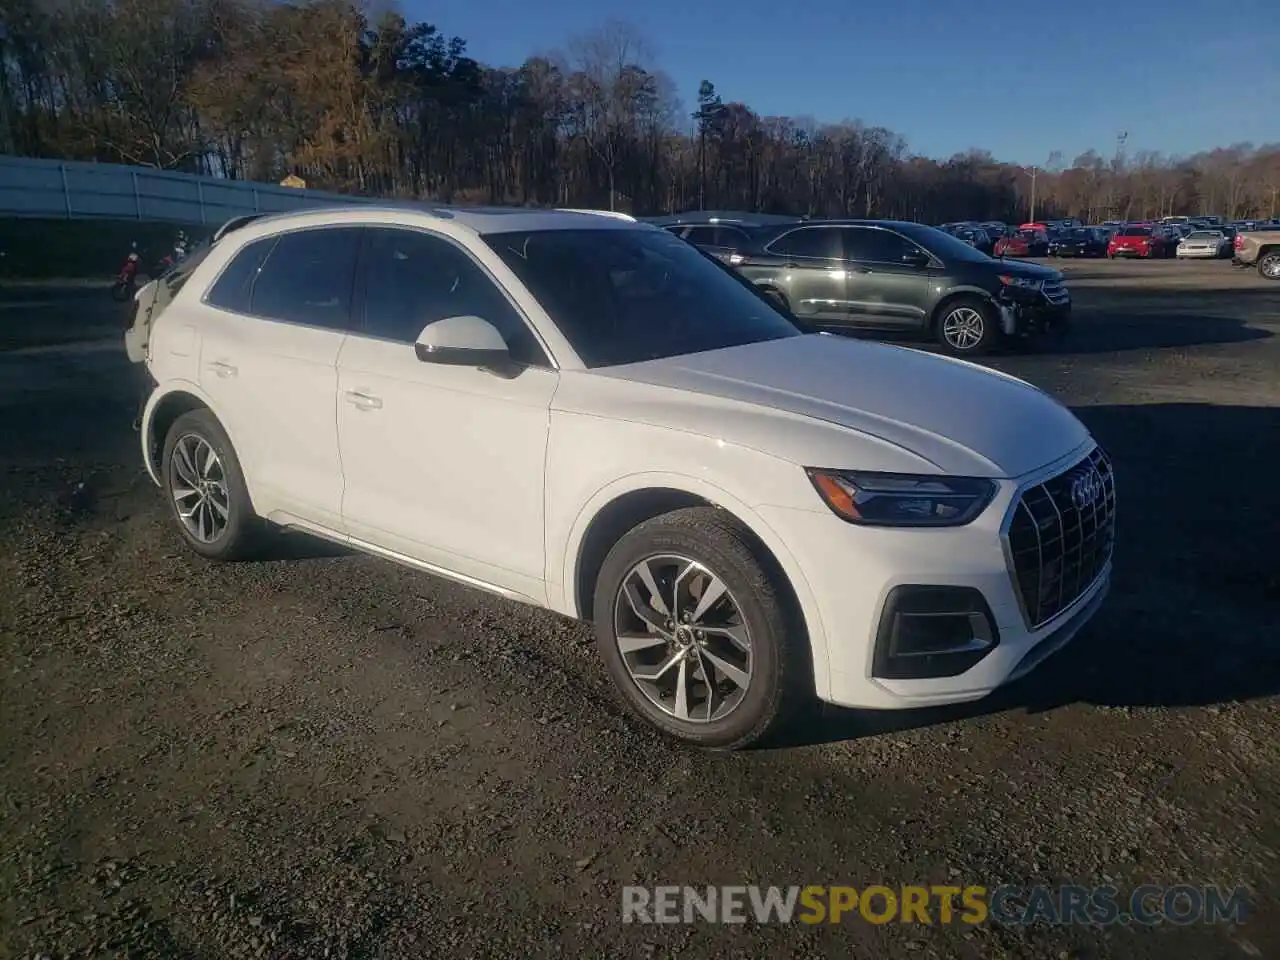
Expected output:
(1204, 244)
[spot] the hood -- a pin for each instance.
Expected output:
(956, 417)
(1031, 271)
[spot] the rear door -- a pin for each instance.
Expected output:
(883, 289)
(806, 265)
(274, 323)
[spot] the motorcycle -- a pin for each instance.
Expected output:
(126, 279)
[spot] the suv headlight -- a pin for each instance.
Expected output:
(902, 500)
(1026, 283)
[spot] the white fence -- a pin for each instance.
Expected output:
(53, 188)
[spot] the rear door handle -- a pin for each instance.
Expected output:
(362, 401)
(222, 368)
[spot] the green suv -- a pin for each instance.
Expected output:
(901, 277)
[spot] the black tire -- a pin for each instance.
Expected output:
(780, 676)
(1269, 265)
(988, 330)
(241, 533)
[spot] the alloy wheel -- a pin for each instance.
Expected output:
(963, 327)
(198, 483)
(683, 638)
(1271, 268)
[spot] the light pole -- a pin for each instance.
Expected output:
(1034, 172)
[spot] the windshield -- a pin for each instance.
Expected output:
(944, 245)
(1204, 235)
(1136, 232)
(623, 296)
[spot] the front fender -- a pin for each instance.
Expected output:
(567, 600)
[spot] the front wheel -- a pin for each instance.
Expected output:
(968, 327)
(1269, 266)
(696, 632)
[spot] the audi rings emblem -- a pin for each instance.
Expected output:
(1086, 489)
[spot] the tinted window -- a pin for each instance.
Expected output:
(412, 279)
(623, 296)
(1136, 232)
(823, 242)
(232, 288)
(943, 245)
(883, 246)
(308, 278)
(730, 237)
(701, 235)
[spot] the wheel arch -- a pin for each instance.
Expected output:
(163, 408)
(964, 293)
(623, 505)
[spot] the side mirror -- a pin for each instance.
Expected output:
(462, 341)
(916, 258)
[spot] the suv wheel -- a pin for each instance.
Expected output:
(206, 489)
(1269, 265)
(694, 632)
(968, 327)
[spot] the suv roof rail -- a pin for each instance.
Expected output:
(615, 214)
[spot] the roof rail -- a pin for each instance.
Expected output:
(616, 215)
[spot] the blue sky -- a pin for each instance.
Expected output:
(1020, 78)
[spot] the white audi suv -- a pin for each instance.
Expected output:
(588, 414)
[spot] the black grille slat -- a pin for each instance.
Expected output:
(1056, 548)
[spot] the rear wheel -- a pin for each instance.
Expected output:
(1269, 265)
(206, 489)
(696, 633)
(968, 327)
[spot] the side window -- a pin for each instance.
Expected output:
(308, 278)
(702, 236)
(232, 288)
(821, 242)
(729, 237)
(676, 228)
(412, 279)
(880, 246)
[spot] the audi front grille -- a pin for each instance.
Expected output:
(1061, 537)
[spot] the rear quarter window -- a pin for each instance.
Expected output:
(234, 287)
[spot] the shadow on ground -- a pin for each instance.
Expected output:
(1195, 601)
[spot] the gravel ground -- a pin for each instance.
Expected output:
(324, 755)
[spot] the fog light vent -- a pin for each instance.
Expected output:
(931, 631)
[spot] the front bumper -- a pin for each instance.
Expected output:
(1029, 314)
(854, 574)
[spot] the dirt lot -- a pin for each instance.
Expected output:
(323, 755)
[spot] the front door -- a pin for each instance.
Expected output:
(882, 289)
(443, 464)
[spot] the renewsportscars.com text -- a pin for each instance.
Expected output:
(1147, 905)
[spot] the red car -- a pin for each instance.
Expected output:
(1140, 240)
(1024, 243)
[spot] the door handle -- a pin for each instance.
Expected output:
(222, 368)
(362, 401)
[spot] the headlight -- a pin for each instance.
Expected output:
(1025, 283)
(902, 500)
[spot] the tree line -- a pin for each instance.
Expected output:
(257, 89)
